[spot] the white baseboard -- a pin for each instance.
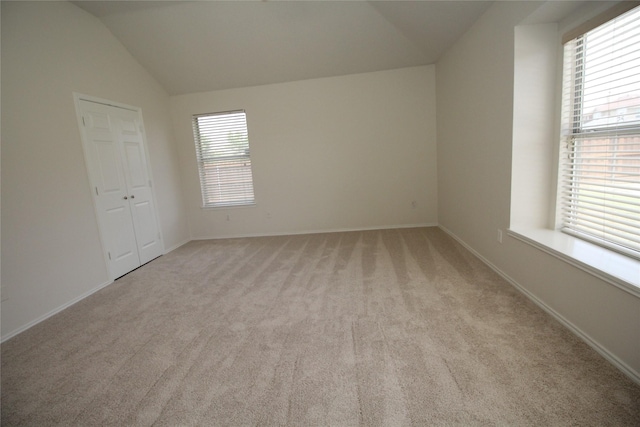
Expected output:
(331, 230)
(604, 352)
(97, 288)
(53, 312)
(174, 247)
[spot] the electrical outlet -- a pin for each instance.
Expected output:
(414, 204)
(499, 236)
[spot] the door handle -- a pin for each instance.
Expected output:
(125, 197)
(133, 197)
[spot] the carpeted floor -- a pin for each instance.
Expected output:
(374, 328)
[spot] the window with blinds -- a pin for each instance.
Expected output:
(600, 158)
(224, 163)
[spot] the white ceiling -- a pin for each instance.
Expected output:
(209, 45)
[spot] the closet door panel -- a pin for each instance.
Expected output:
(103, 155)
(138, 181)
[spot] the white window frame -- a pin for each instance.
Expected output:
(595, 207)
(224, 159)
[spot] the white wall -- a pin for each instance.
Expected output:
(533, 168)
(336, 153)
(475, 117)
(51, 252)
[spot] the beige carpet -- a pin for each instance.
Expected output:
(375, 328)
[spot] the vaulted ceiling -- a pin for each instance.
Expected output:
(209, 45)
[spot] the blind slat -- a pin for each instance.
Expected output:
(599, 20)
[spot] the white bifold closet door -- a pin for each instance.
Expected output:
(113, 139)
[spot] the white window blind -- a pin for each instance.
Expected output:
(600, 159)
(224, 162)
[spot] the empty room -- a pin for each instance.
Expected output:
(376, 213)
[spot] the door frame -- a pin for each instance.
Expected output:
(77, 97)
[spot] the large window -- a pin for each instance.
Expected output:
(224, 163)
(600, 168)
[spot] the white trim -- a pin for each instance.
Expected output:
(54, 311)
(81, 97)
(322, 231)
(612, 267)
(222, 207)
(613, 359)
(73, 301)
(176, 246)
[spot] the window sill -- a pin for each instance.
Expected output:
(222, 207)
(612, 267)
